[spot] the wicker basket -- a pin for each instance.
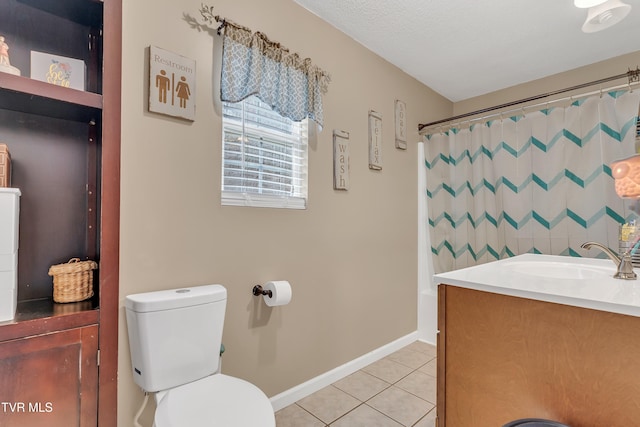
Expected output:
(5, 166)
(73, 281)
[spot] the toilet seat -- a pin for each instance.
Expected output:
(217, 400)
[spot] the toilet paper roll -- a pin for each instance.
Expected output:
(280, 293)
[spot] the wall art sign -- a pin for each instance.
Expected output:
(375, 140)
(401, 125)
(172, 84)
(341, 164)
(57, 70)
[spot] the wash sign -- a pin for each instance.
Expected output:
(172, 84)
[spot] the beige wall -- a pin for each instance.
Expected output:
(351, 257)
(578, 76)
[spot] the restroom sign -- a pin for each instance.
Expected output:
(172, 84)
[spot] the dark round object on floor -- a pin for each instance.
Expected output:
(534, 422)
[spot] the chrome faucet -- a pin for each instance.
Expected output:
(624, 264)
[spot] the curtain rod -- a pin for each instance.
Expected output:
(632, 75)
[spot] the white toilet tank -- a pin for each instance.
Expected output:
(175, 335)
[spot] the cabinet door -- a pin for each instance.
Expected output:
(50, 380)
(508, 358)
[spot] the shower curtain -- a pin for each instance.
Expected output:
(537, 182)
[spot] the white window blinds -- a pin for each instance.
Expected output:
(264, 157)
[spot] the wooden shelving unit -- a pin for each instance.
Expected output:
(65, 147)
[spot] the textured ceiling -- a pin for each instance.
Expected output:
(466, 48)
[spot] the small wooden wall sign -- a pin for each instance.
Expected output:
(401, 125)
(172, 84)
(375, 140)
(340, 160)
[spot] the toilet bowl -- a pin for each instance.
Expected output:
(174, 338)
(227, 400)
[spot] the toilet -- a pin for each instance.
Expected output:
(175, 337)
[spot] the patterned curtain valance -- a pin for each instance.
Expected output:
(254, 65)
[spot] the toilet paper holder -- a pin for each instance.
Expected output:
(258, 291)
(274, 293)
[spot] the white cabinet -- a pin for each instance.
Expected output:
(9, 215)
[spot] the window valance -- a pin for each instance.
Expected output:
(254, 65)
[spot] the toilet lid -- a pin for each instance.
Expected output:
(217, 400)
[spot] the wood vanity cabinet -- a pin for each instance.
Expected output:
(502, 358)
(65, 148)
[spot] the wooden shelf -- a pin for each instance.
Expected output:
(35, 97)
(43, 316)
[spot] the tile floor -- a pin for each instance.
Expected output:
(398, 390)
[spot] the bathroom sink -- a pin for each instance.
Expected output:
(575, 281)
(559, 270)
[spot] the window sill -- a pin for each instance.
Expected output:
(262, 201)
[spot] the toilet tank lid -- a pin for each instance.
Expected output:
(175, 298)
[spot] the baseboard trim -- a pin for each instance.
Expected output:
(300, 391)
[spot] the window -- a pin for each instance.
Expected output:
(264, 157)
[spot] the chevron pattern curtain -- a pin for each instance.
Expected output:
(538, 182)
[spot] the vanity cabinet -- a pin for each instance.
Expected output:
(502, 358)
(65, 150)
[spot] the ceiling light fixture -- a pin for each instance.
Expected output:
(604, 15)
(583, 4)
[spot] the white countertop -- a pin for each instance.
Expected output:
(580, 282)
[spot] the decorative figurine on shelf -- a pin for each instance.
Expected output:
(5, 65)
(4, 52)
